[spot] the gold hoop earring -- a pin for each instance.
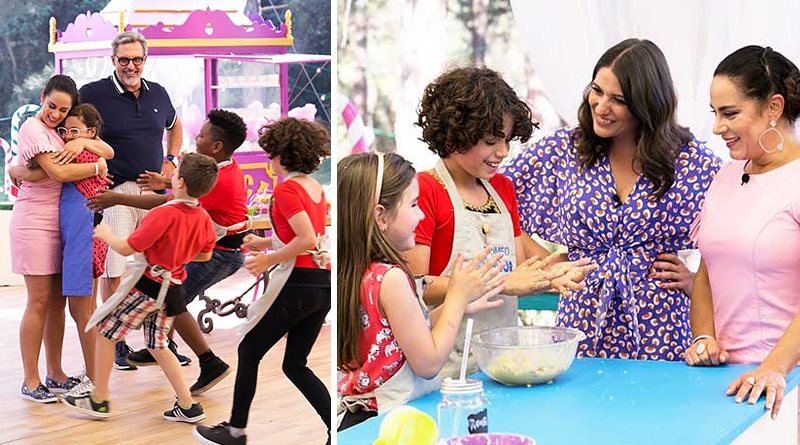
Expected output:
(771, 127)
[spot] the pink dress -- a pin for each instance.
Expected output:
(749, 237)
(34, 231)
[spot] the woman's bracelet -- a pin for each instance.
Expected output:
(702, 337)
(96, 168)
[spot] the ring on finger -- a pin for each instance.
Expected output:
(750, 381)
(700, 349)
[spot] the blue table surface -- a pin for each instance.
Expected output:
(542, 302)
(600, 401)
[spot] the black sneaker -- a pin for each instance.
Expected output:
(191, 415)
(120, 361)
(210, 375)
(217, 435)
(87, 405)
(143, 357)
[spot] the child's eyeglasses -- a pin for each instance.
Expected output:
(72, 132)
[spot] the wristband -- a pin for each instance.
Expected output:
(171, 158)
(96, 169)
(702, 337)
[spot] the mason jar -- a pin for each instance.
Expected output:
(463, 409)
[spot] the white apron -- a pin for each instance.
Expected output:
(221, 231)
(402, 387)
(469, 227)
(137, 271)
(278, 276)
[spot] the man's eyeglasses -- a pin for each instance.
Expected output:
(72, 132)
(124, 61)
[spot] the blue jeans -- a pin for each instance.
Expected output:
(202, 275)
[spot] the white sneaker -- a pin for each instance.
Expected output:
(84, 387)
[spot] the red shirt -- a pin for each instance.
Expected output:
(380, 354)
(438, 227)
(171, 235)
(288, 199)
(226, 202)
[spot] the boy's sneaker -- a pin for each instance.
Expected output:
(38, 395)
(210, 375)
(87, 405)
(81, 389)
(120, 359)
(217, 435)
(59, 387)
(143, 357)
(177, 414)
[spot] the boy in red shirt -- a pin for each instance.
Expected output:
(219, 137)
(154, 294)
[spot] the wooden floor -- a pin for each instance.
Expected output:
(279, 414)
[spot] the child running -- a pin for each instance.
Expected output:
(219, 137)
(153, 294)
(298, 295)
(390, 349)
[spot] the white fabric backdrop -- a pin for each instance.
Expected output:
(565, 39)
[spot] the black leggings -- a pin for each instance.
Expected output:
(298, 311)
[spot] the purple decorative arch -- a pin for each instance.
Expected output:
(88, 27)
(208, 34)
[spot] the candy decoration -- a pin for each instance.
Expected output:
(11, 149)
(8, 188)
(354, 125)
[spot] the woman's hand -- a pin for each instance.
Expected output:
(761, 380)
(71, 150)
(153, 181)
(102, 169)
(257, 263)
(570, 275)
(706, 352)
(673, 273)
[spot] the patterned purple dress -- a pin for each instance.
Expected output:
(622, 311)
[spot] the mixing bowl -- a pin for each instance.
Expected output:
(525, 355)
(491, 439)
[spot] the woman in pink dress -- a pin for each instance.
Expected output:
(746, 297)
(35, 234)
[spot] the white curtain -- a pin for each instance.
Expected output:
(564, 39)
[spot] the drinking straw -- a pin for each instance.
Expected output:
(465, 357)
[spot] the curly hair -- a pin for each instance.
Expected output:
(643, 74)
(228, 128)
(300, 144)
(760, 72)
(463, 105)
